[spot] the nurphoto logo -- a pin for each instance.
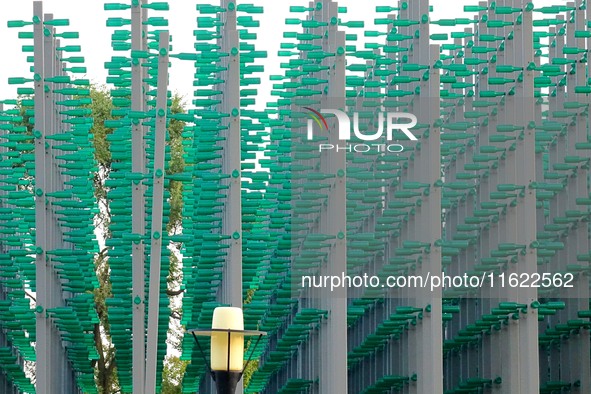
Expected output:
(391, 119)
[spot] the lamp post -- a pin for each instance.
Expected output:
(227, 347)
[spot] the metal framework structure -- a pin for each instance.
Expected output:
(496, 187)
(53, 163)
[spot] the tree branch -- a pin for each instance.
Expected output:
(175, 315)
(103, 251)
(103, 377)
(172, 293)
(30, 296)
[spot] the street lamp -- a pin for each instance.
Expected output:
(227, 347)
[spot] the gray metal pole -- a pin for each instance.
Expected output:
(582, 344)
(334, 361)
(425, 340)
(47, 367)
(157, 207)
(43, 325)
(57, 382)
(53, 370)
(525, 213)
(232, 223)
(231, 287)
(138, 219)
(431, 373)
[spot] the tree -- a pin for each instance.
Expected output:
(172, 376)
(106, 369)
(102, 107)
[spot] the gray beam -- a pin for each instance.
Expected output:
(138, 206)
(334, 360)
(231, 292)
(157, 211)
(525, 212)
(231, 287)
(43, 325)
(52, 366)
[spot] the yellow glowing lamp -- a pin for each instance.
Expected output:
(227, 347)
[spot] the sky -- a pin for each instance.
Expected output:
(89, 19)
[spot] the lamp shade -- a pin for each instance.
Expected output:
(227, 344)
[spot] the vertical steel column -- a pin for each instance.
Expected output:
(50, 121)
(44, 373)
(157, 208)
(492, 348)
(333, 373)
(51, 364)
(232, 223)
(525, 212)
(138, 206)
(53, 370)
(583, 241)
(489, 348)
(578, 241)
(403, 356)
(427, 169)
(431, 347)
(231, 286)
(506, 228)
(557, 151)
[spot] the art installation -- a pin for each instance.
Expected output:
(408, 214)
